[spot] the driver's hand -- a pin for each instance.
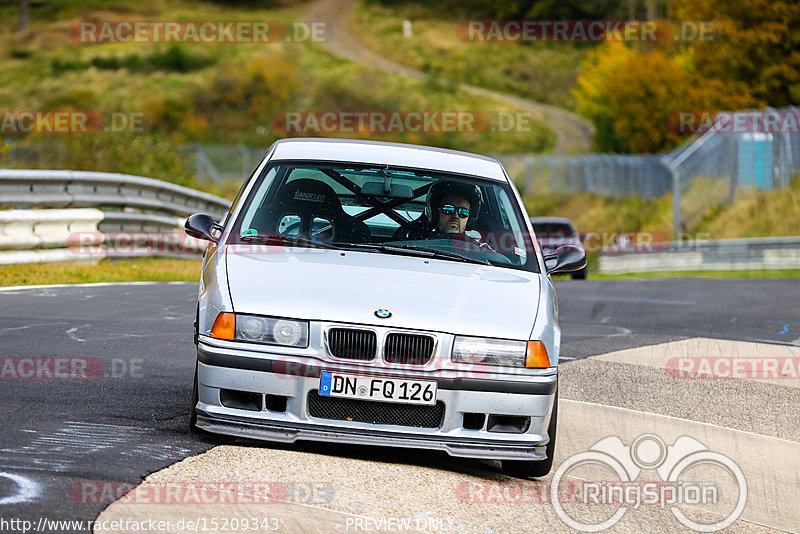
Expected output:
(475, 236)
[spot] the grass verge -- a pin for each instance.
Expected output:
(133, 270)
(744, 274)
(188, 270)
(541, 71)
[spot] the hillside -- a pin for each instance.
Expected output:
(212, 92)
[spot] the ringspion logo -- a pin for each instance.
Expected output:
(690, 474)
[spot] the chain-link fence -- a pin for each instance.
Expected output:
(758, 153)
(605, 174)
(216, 163)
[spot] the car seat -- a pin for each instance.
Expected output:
(308, 200)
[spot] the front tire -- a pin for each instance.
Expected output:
(193, 408)
(538, 468)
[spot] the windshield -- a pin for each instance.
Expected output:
(386, 210)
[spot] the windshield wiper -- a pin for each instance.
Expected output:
(425, 252)
(288, 241)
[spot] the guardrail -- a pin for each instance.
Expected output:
(81, 189)
(708, 255)
(143, 216)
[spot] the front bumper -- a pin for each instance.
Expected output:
(228, 369)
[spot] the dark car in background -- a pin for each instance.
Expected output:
(553, 232)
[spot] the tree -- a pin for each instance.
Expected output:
(756, 43)
(631, 96)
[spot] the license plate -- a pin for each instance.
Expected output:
(377, 389)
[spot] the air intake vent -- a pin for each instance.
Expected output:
(375, 413)
(410, 349)
(352, 344)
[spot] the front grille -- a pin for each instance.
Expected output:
(352, 344)
(411, 349)
(376, 413)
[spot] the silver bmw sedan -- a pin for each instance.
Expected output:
(381, 294)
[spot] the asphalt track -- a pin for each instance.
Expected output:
(130, 419)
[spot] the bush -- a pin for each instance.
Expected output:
(21, 53)
(175, 59)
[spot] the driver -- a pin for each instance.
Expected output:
(450, 207)
(450, 212)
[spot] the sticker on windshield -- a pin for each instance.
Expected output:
(249, 231)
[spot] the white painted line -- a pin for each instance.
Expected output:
(13, 328)
(93, 284)
(680, 419)
(71, 332)
(634, 300)
(27, 489)
(711, 359)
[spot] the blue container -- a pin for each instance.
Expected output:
(754, 160)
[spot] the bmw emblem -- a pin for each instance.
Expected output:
(383, 314)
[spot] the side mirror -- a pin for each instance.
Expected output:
(567, 258)
(201, 226)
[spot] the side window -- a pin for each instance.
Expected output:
(258, 198)
(512, 239)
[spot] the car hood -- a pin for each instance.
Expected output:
(420, 293)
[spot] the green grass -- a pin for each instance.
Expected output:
(133, 270)
(778, 273)
(544, 72)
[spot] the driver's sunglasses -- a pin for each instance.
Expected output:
(448, 209)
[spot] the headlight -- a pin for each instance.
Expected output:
(501, 352)
(271, 331)
(257, 329)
